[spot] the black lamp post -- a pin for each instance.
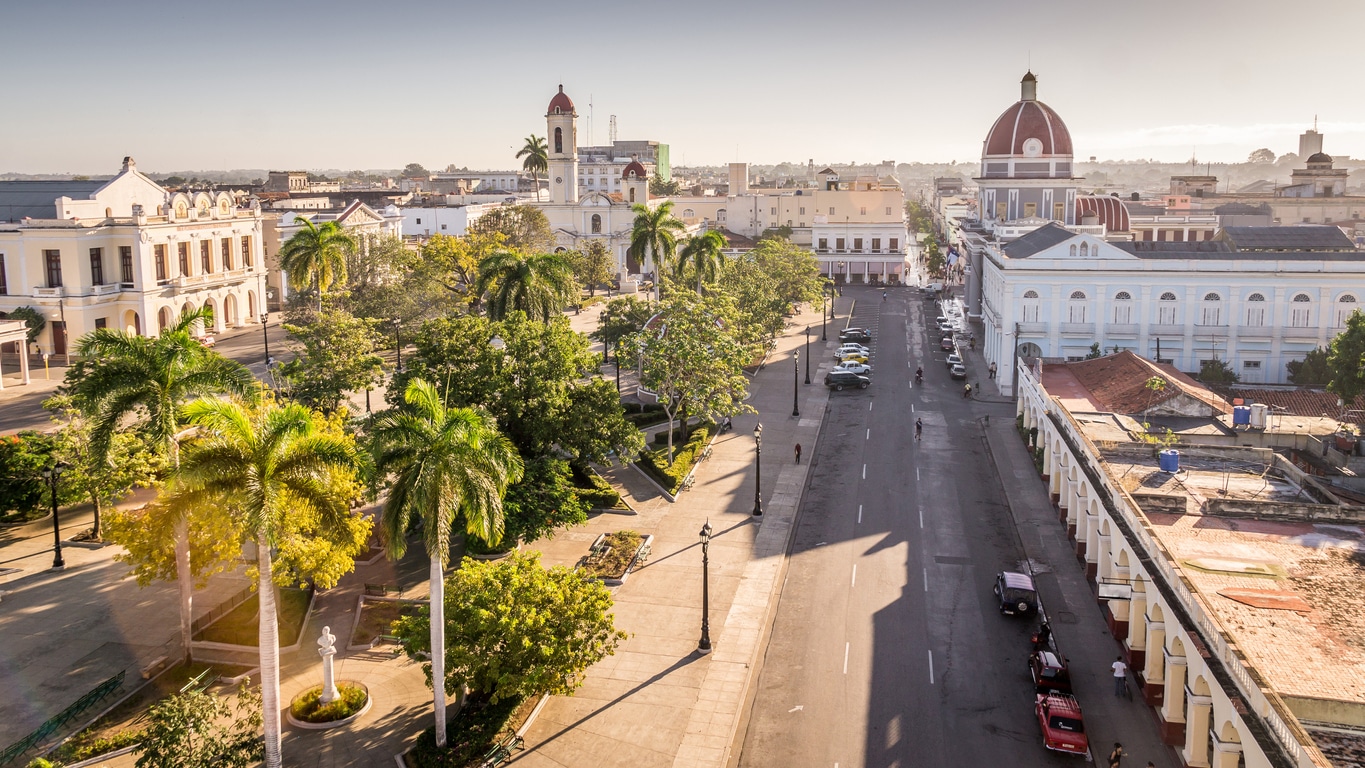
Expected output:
(53, 475)
(758, 469)
(704, 645)
(398, 341)
(618, 367)
(824, 334)
(265, 326)
(796, 382)
(808, 354)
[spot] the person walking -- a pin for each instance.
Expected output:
(1120, 677)
(798, 453)
(919, 428)
(966, 391)
(1116, 756)
(991, 371)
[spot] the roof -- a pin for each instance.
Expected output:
(1038, 240)
(828, 172)
(634, 169)
(1319, 157)
(1295, 402)
(1028, 119)
(1299, 238)
(38, 199)
(1118, 384)
(1015, 580)
(1112, 212)
(1242, 209)
(561, 103)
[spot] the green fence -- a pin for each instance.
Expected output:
(52, 726)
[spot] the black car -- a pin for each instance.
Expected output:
(857, 335)
(1016, 592)
(840, 380)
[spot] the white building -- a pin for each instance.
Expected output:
(360, 220)
(452, 220)
(126, 253)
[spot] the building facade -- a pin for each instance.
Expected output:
(360, 220)
(128, 254)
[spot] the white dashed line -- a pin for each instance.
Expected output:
(931, 665)
(921, 518)
(860, 514)
(865, 471)
(869, 434)
(916, 473)
(853, 581)
(869, 406)
(931, 674)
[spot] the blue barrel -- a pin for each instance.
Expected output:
(1169, 461)
(1241, 414)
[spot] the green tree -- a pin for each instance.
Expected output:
(103, 480)
(794, 268)
(622, 317)
(32, 318)
(539, 285)
(658, 187)
(1261, 156)
(317, 255)
(933, 257)
(1095, 352)
(288, 485)
(536, 160)
(761, 311)
(1217, 372)
(1311, 371)
(783, 232)
(517, 628)
(1346, 359)
(23, 457)
(654, 235)
(523, 227)
(415, 171)
(543, 500)
(594, 268)
(704, 254)
(338, 357)
(449, 465)
(196, 729)
(122, 376)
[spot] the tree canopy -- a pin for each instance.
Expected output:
(539, 285)
(1346, 359)
(523, 227)
(338, 357)
(1311, 371)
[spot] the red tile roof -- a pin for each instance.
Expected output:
(1297, 402)
(1118, 384)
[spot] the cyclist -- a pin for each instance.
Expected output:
(919, 375)
(966, 390)
(919, 427)
(883, 295)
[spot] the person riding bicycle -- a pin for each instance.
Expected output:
(919, 427)
(919, 374)
(966, 390)
(883, 295)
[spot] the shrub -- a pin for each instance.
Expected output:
(594, 490)
(680, 435)
(469, 735)
(646, 419)
(670, 477)
(85, 746)
(618, 550)
(308, 706)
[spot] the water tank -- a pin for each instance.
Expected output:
(1169, 460)
(1259, 412)
(1241, 414)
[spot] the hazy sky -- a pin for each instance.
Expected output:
(345, 84)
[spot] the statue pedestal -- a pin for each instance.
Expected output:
(327, 649)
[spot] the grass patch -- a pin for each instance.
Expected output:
(469, 734)
(241, 625)
(615, 556)
(308, 707)
(670, 476)
(19, 518)
(377, 618)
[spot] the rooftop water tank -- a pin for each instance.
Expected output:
(1259, 411)
(1241, 415)
(1169, 460)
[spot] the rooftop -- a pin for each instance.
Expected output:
(37, 199)
(1119, 384)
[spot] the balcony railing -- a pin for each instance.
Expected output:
(1086, 329)
(1121, 329)
(1299, 333)
(40, 292)
(1032, 328)
(108, 289)
(1166, 329)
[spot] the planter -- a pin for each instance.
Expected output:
(210, 652)
(356, 642)
(351, 718)
(637, 557)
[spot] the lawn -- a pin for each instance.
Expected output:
(377, 618)
(241, 625)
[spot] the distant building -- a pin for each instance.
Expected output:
(286, 181)
(451, 220)
(360, 220)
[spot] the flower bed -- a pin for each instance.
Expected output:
(470, 734)
(670, 476)
(613, 555)
(307, 707)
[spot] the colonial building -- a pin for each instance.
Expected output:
(360, 220)
(126, 253)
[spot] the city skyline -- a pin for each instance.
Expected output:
(315, 86)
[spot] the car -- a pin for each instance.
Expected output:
(853, 366)
(1016, 592)
(854, 356)
(1063, 726)
(856, 334)
(1049, 672)
(946, 343)
(855, 347)
(841, 380)
(954, 359)
(941, 319)
(958, 372)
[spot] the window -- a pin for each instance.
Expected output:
(1346, 306)
(888, 210)
(831, 210)
(1078, 295)
(183, 250)
(1123, 296)
(862, 211)
(1031, 307)
(97, 266)
(54, 268)
(1059, 211)
(632, 194)
(160, 252)
(803, 210)
(1211, 313)
(1212, 297)
(1255, 310)
(1300, 311)
(246, 251)
(205, 257)
(877, 244)
(688, 213)
(597, 224)
(1030, 210)
(101, 322)
(559, 141)
(1073, 251)
(774, 212)
(419, 220)
(857, 243)
(443, 226)
(225, 251)
(894, 243)
(1251, 365)
(4, 285)
(125, 263)
(1168, 296)
(1085, 250)
(1030, 294)
(838, 243)
(1123, 308)
(1002, 210)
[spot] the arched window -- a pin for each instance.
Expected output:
(1256, 297)
(1123, 296)
(1076, 310)
(1346, 306)
(597, 224)
(1165, 310)
(1078, 295)
(1212, 311)
(1030, 294)
(1085, 250)
(632, 194)
(688, 213)
(1302, 298)
(1031, 306)
(1168, 296)
(1301, 311)
(1347, 298)
(1212, 297)
(559, 140)
(1255, 312)
(1123, 308)
(1073, 251)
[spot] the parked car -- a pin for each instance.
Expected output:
(855, 356)
(850, 347)
(841, 380)
(853, 366)
(958, 372)
(946, 343)
(1063, 726)
(941, 319)
(859, 335)
(1016, 592)
(954, 359)
(1049, 672)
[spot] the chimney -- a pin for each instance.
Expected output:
(1028, 87)
(129, 164)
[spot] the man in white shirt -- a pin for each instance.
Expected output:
(1120, 677)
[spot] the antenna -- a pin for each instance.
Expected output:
(611, 131)
(590, 119)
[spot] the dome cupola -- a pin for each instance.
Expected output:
(561, 104)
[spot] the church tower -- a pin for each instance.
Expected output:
(635, 182)
(561, 138)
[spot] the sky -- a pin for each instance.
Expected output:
(298, 84)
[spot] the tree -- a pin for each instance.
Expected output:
(594, 268)
(1311, 371)
(761, 311)
(523, 227)
(32, 318)
(415, 171)
(23, 457)
(539, 285)
(654, 235)
(288, 485)
(1262, 156)
(933, 258)
(449, 465)
(1095, 352)
(658, 187)
(705, 254)
(103, 480)
(196, 729)
(121, 375)
(543, 500)
(794, 268)
(1346, 359)
(621, 317)
(1217, 372)
(783, 232)
(317, 255)
(536, 160)
(692, 360)
(339, 357)
(517, 628)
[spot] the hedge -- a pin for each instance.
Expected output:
(470, 734)
(655, 463)
(646, 419)
(594, 490)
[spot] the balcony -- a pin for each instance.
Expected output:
(108, 289)
(1121, 329)
(1077, 329)
(1166, 329)
(1299, 333)
(1255, 332)
(48, 293)
(1032, 328)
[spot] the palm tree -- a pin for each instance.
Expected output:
(655, 234)
(539, 285)
(316, 254)
(265, 464)
(705, 253)
(537, 160)
(449, 465)
(129, 375)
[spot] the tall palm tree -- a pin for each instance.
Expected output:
(450, 465)
(265, 464)
(655, 234)
(126, 375)
(316, 254)
(539, 285)
(537, 159)
(705, 253)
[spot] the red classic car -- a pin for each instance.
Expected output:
(1059, 717)
(1049, 672)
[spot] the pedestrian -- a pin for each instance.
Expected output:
(798, 453)
(966, 391)
(1120, 677)
(1151, 764)
(1116, 755)
(1040, 639)
(992, 371)
(919, 427)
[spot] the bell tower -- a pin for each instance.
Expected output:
(561, 138)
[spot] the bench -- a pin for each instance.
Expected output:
(154, 666)
(502, 751)
(382, 590)
(200, 681)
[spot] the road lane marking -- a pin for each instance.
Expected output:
(865, 471)
(921, 518)
(860, 514)
(869, 434)
(854, 580)
(926, 579)
(931, 668)
(912, 407)
(916, 473)
(846, 660)
(796, 708)
(869, 406)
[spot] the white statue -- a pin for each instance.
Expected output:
(327, 649)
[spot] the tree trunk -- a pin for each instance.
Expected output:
(438, 649)
(268, 639)
(185, 580)
(95, 498)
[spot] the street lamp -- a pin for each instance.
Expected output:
(265, 326)
(618, 367)
(808, 354)
(758, 469)
(824, 305)
(841, 272)
(398, 341)
(704, 645)
(53, 475)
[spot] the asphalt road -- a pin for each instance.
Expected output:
(887, 648)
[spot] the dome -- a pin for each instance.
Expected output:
(1320, 157)
(634, 169)
(1029, 128)
(560, 103)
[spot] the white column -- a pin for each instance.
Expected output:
(1196, 751)
(1226, 754)
(1173, 700)
(1154, 669)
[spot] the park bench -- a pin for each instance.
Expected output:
(200, 681)
(502, 751)
(382, 590)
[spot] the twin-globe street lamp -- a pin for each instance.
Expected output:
(758, 469)
(704, 645)
(53, 476)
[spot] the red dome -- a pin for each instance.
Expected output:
(1028, 119)
(634, 168)
(1110, 210)
(560, 103)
